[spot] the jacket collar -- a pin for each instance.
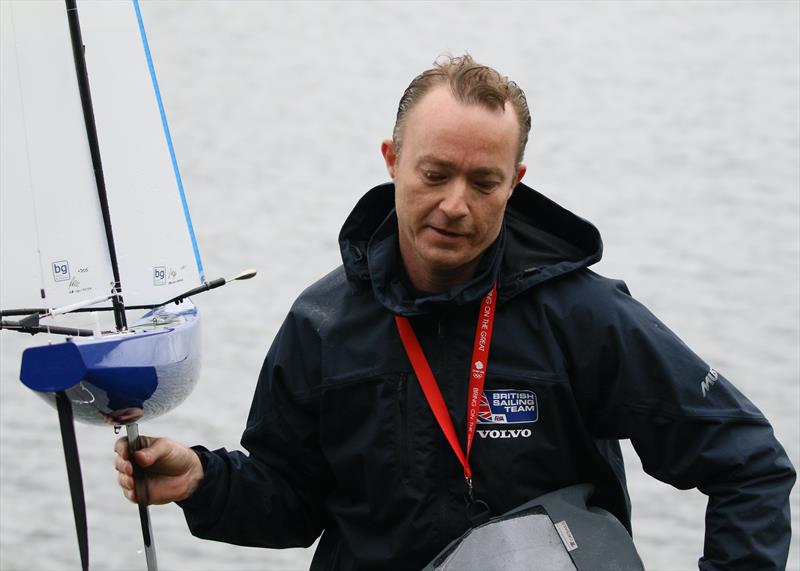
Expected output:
(538, 241)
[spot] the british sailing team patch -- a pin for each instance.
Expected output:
(508, 406)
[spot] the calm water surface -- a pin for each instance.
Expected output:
(675, 127)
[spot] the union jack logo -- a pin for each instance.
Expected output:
(484, 410)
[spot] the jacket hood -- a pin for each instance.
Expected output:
(539, 240)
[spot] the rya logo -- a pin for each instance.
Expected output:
(708, 382)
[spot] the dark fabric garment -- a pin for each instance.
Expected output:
(342, 442)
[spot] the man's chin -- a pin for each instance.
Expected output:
(447, 262)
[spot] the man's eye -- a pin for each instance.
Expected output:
(485, 185)
(432, 176)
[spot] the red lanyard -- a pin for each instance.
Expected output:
(480, 360)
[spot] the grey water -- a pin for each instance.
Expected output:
(673, 126)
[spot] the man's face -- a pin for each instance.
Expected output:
(453, 176)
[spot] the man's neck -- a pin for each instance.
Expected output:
(431, 281)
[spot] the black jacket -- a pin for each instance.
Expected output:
(341, 440)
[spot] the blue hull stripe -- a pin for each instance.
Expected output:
(169, 144)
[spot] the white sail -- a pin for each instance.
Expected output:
(49, 195)
(155, 245)
(53, 247)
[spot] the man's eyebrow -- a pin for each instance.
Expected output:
(430, 159)
(480, 171)
(489, 171)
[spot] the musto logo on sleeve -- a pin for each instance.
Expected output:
(507, 406)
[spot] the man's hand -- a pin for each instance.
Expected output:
(173, 470)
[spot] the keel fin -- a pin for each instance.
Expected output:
(73, 462)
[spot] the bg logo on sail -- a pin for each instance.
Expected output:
(61, 271)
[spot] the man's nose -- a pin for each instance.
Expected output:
(454, 202)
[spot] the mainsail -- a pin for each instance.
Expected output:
(53, 250)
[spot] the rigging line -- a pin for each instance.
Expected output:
(94, 148)
(174, 160)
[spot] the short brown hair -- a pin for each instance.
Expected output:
(470, 83)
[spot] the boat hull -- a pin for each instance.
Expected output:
(122, 378)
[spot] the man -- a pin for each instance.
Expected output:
(347, 436)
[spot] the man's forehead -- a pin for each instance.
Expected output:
(440, 110)
(443, 127)
(441, 98)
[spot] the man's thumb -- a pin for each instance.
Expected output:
(145, 457)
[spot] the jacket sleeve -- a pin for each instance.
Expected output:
(633, 378)
(273, 496)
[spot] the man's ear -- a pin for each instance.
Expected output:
(521, 170)
(389, 152)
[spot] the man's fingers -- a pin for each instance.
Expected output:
(130, 495)
(170, 470)
(128, 487)
(121, 447)
(146, 441)
(125, 482)
(123, 466)
(144, 456)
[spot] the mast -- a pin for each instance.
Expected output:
(94, 148)
(118, 304)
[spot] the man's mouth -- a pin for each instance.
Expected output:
(447, 233)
